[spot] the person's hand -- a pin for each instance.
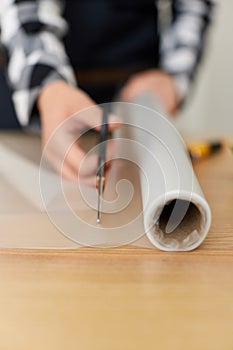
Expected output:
(57, 102)
(155, 81)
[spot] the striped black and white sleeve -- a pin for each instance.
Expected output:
(183, 42)
(32, 30)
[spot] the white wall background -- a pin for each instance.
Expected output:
(209, 111)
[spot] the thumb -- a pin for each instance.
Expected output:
(114, 122)
(92, 118)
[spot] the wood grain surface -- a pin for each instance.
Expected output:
(126, 298)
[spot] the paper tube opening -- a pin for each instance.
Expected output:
(179, 232)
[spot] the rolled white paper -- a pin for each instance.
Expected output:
(177, 216)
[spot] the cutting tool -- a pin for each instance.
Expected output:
(101, 170)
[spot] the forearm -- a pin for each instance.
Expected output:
(32, 32)
(183, 43)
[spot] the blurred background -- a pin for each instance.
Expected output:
(209, 110)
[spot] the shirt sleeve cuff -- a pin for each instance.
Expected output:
(42, 75)
(182, 84)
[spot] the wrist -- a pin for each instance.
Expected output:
(48, 93)
(181, 83)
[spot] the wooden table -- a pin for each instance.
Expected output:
(126, 298)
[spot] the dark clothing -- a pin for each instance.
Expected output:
(100, 34)
(112, 33)
(8, 118)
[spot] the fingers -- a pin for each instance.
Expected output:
(89, 164)
(92, 118)
(60, 132)
(158, 83)
(73, 159)
(134, 87)
(129, 92)
(77, 166)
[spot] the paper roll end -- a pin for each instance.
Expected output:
(180, 226)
